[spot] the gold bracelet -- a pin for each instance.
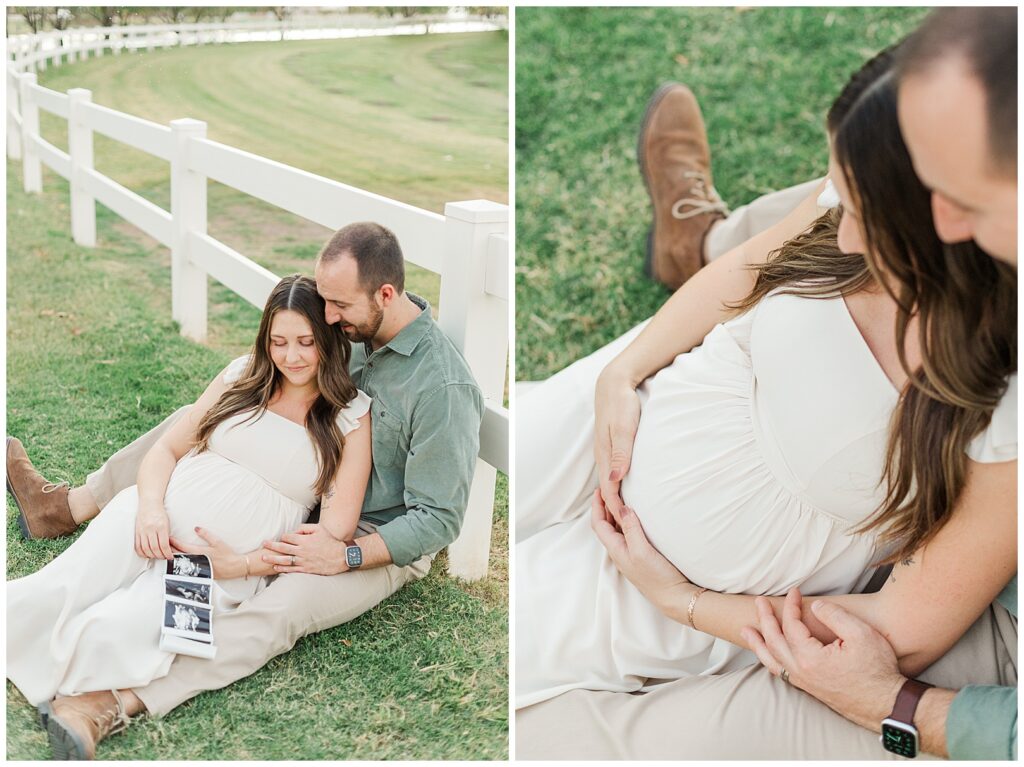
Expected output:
(246, 558)
(693, 603)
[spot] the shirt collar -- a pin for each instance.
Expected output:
(408, 338)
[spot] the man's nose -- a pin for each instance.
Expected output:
(951, 223)
(331, 315)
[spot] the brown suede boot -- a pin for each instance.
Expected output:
(675, 162)
(43, 510)
(76, 724)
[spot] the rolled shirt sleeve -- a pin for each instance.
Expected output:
(982, 723)
(443, 449)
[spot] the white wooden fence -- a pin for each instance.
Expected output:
(35, 52)
(468, 245)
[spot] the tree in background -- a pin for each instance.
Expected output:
(103, 14)
(34, 17)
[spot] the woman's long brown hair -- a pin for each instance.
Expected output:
(965, 303)
(261, 379)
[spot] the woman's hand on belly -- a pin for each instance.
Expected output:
(642, 564)
(616, 418)
(226, 563)
(153, 532)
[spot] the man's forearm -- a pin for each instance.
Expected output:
(375, 553)
(930, 720)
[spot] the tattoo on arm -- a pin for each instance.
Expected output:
(329, 494)
(906, 562)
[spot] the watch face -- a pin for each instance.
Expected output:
(354, 556)
(899, 738)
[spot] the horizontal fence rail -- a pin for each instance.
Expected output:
(468, 246)
(36, 52)
(319, 199)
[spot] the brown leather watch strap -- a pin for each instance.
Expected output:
(350, 543)
(907, 699)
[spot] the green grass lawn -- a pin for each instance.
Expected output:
(765, 78)
(93, 360)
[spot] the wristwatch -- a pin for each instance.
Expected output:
(899, 735)
(353, 555)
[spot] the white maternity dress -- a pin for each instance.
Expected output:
(756, 454)
(90, 620)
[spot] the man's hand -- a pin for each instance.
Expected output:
(310, 549)
(857, 675)
(225, 562)
(616, 417)
(635, 557)
(153, 532)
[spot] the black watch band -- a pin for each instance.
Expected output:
(899, 735)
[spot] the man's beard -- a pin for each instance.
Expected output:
(365, 332)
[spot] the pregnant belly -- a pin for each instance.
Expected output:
(209, 491)
(709, 503)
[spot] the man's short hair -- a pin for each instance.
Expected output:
(376, 251)
(986, 41)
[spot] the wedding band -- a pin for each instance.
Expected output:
(784, 676)
(293, 560)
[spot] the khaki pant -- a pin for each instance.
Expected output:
(290, 607)
(745, 714)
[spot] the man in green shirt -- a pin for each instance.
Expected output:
(425, 415)
(958, 115)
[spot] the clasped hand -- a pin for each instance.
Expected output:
(310, 549)
(315, 551)
(857, 674)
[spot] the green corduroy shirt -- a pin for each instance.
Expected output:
(426, 416)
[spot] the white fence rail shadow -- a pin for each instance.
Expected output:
(468, 245)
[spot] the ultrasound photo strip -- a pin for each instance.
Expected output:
(188, 608)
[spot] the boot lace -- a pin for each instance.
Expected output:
(50, 487)
(113, 721)
(703, 199)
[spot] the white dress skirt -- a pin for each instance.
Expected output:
(91, 618)
(756, 455)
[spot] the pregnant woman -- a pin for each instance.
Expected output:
(274, 432)
(803, 440)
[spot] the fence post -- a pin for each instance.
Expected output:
(477, 323)
(31, 165)
(116, 42)
(188, 209)
(13, 110)
(83, 204)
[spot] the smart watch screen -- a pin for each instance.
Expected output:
(899, 738)
(354, 556)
